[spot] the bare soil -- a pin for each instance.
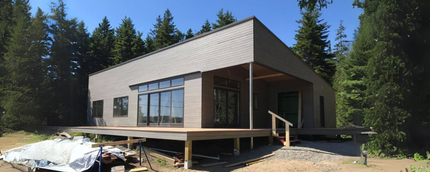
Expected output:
(327, 162)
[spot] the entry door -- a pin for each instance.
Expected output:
(288, 107)
(226, 108)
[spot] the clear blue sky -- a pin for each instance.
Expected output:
(278, 15)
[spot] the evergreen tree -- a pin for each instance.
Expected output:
(189, 34)
(390, 44)
(6, 22)
(312, 44)
(206, 27)
(223, 19)
(24, 81)
(62, 64)
(165, 32)
(149, 42)
(313, 4)
(101, 45)
(128, 42)
(342, 45)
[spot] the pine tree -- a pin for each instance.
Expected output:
(312, 44)
(206, 27)
(342, 45)
(189, 34)
(165, 32)
(6, 22)
(101, 45)
(149, 42)
(223, 19)
(24, 81)
(313, 4)
(62, 65)
(128, 42)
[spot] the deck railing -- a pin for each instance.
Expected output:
(287, 127)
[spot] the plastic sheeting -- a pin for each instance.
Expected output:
(58, 155)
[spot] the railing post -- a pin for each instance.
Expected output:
(287, 135)
(273, 125)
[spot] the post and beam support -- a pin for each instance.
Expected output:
(237, 145)
(251, 107)
(188, 154)
(129, 144)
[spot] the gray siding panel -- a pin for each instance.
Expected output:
(272, 52)
(227, 47)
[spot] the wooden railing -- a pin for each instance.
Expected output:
(287, 127)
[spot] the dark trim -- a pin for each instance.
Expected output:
(113, 114)
(92, 108)
(170, 77)
(179, 43)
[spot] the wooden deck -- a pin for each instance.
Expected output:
(180, 134)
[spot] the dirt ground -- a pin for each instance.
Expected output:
(274, 164)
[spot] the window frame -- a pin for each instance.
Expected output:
(236, 122)
(122, 101)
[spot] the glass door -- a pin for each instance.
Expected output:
(226, 108)
(288, 108)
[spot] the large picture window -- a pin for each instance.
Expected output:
(161, 108)
(120, 107)
(226, 107)
(97, 110)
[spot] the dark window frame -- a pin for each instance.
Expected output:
(158, 82)
(94, 110)
(239, 84)
(122, 102)
(322, 112)
(159, 124)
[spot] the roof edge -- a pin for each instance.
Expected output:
(176, 44)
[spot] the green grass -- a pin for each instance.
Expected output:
(418, 157)
(420, 169)
(40, 137)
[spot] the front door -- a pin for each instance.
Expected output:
(288, 107)
(226, 108)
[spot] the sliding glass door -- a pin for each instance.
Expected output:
(226, 108)
(162, 108)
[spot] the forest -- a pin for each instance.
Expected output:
(381, 75)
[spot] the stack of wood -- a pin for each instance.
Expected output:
(108, 158)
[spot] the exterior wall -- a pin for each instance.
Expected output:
(292, 86)
(217, 49)
(192, 103)
(261, 117)
(272, 52)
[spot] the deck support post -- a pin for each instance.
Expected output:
(129, 144)
(251, 107)
(96, 139)
(188, 154)
(237, 145)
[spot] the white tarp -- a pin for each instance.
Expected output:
(57, 154)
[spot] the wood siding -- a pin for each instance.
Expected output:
(272, 52)
(221, 48)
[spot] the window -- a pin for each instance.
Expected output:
(255, 101)
(120, 107)
(226, 82)
(97, 109)
(161, 108)
(178, 81)
(143, 88)
(165, 84)
(153, 86)
(162, 84)
(226, 107)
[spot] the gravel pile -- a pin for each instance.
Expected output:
(317, 151)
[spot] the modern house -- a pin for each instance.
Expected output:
(204, 82)
(217, 85)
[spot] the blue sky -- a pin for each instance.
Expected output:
(278, 15)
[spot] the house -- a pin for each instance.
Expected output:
(203, 82)
(217, 85)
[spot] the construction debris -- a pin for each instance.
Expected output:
(251, 160)
(195, 155)
(255, 162)
(214, 164)
(64, 134)
(140, 169)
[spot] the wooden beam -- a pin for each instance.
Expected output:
(129, 144)
(214, 164)
(160, 155)
(188, 162)
(280, 118)
(237, 144)
(118, 142)
(251, 160)
(287, 136)
(267, 76)
(252, 143)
